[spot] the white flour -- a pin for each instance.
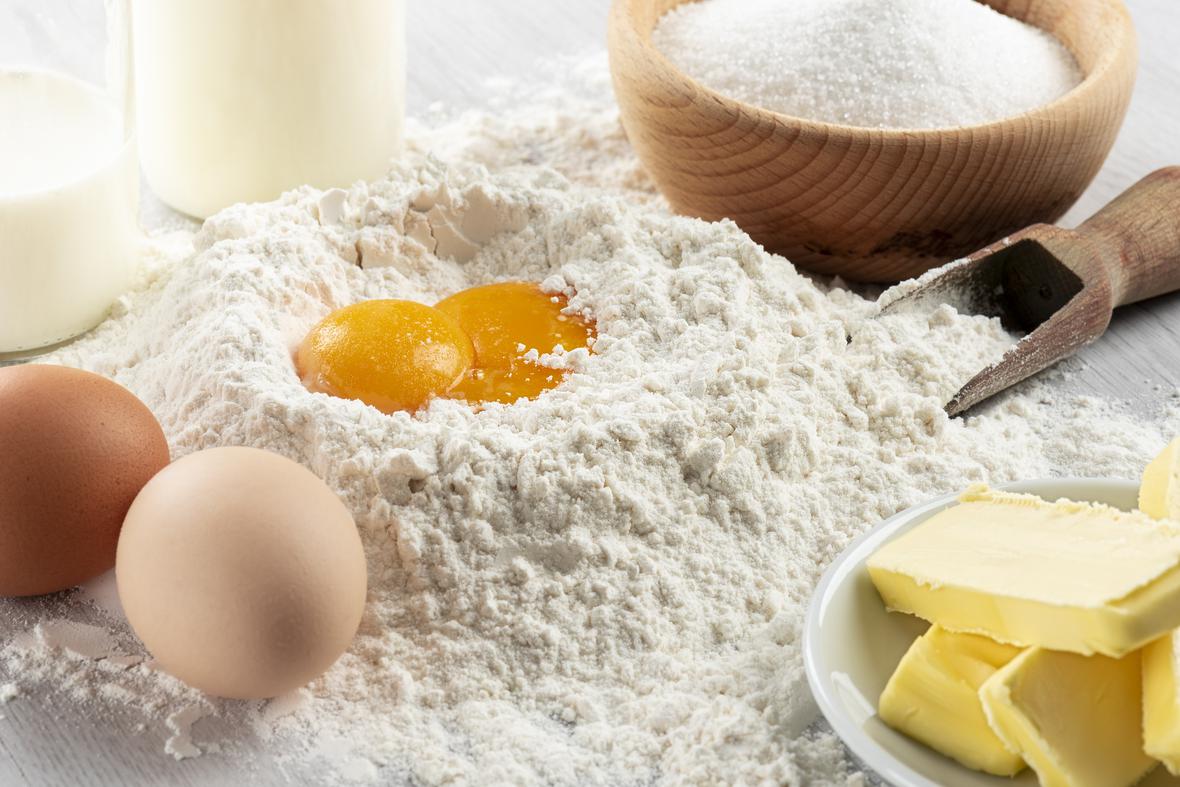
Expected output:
(605, 585)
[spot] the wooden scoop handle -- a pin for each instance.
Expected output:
(1137, 238)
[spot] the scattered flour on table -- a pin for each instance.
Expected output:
(879, 63)
(602, 586)
(180, 724)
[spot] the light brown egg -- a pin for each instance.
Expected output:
(75, 449)
(242, 572)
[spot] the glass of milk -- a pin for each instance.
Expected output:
(240, 100)
(69, 184)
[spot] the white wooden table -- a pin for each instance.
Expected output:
(454, 45)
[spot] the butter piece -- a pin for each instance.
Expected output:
(1066, 576)
(1074, 719)
(933, 697)
(1159, 493)
(1159, 496)
(1161, 701)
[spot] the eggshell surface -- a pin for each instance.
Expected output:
(75, 450)
(242, 572)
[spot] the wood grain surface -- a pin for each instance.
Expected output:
(1135, 239)
(868, 204)
(454, 45)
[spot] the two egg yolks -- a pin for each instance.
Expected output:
(398, 355)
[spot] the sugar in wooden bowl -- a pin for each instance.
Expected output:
(879, 63)
(873, 139)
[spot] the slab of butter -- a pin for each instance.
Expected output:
(1074, 719)
(1159, 496)
(933, 697)
(1066, 576)
(1161, 701)
(1159, 492)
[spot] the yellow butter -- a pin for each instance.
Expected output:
(933, 697)
(1067, 576)
(1159, 496)
(1159, 493)
(1161, 701)
(1074, 719)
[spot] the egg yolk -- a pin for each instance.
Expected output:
(398, 355)
(393, 355)
(504, 322)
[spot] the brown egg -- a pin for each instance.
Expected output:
(242, 572)
(75, 449)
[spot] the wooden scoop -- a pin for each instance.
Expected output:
(1061, 286)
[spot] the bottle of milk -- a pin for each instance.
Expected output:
(69, 188)
(240, 100)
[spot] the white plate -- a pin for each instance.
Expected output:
(851, 646)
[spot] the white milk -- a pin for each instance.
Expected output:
(240, 100)
(68, 202)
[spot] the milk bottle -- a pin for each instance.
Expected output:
(240, 100)
(68, 203)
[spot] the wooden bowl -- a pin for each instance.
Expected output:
(871, 204)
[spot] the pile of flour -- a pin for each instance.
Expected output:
(605, 585)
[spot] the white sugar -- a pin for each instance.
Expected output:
(879, 63)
